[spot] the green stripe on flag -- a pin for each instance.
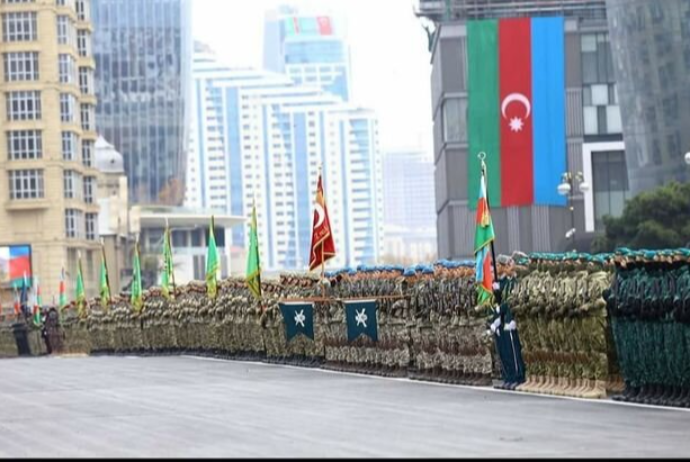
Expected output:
(483, 114)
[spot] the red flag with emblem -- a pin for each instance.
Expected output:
(322, 244)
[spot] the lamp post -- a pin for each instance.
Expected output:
(566, 188)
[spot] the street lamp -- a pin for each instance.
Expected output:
(568, 180)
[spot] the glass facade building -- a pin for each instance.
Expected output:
(651, 51)
(309, 48)
(143, 71)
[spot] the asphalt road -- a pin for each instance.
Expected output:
(195, 407)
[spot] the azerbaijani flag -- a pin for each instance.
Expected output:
(15, 262)
(483, 237)
(516, 109)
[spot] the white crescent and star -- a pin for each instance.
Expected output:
(320, 214)
(516, 123)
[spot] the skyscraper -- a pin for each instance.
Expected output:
(48, 130)
(651, 61)
(258, 136)
(143, 64)
(310, 48)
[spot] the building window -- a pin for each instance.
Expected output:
(89, 186)
(67, 68)
(24, 145)
(88, 115)
(87, 152)
(454, 120)
(21, 66)
(74, 223)
(86, 80)
(601, 112)
(17, 1)
(67, 33)
(83, 43)
(26, 184)
(91, 226)
(69, 145)
(597, 63)
(610, 185)
(73, 185)
(19, 27)
(67, 104)
(24, 105)
(82, 8)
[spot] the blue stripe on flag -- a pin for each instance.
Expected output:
(479, 264)
(548, 103)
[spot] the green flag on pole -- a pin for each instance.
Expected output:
(253, 264)
(211, 262)
(137, 291)
(80, 292)
(104, 282)
(167, 277)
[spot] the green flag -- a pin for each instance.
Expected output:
(104, 282)
(253, 264)
(80, 292)
(168, 277)
(211, 262)
(137, 292)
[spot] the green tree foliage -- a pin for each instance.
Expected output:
(656, 219)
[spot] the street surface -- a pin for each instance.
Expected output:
(196, 407)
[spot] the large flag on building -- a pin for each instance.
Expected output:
(516, 109)
(361, 319)
(253, 264)
(168, 276)
(80, 292)
(212, 262)
(137, 297)
(299, 319)
(104, 282)
(483, 237)
(322, 243)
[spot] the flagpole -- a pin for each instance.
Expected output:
(482, 156)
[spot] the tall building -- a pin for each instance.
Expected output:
(651, 50)
(143, 56)
(591, 124)
(260, 138)
(46, 155)
(310, 48)
(409, 206)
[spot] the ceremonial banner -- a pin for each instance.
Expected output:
(212, 262)
(299, 319)
(516, 109)
(361, 319)
(483, 238)
(322, 243)
(253, 277)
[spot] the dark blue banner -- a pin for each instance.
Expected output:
(361, 319)
(299, 319)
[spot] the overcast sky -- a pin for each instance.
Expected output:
(388, 47)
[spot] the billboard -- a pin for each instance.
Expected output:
(15, 261)
(307, 25)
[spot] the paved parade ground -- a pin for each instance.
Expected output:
(186, 407)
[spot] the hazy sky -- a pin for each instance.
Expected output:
(388, 48)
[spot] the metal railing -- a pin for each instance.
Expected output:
(443, 10)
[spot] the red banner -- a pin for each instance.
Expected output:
(322, 244)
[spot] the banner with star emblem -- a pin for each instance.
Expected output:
(299, 319)
(361, 319)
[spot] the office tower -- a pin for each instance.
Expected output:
(143, 64)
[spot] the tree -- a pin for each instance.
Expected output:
(656, 219)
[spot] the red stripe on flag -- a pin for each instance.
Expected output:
(515, 95)
(488, 281)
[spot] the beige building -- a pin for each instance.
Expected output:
(47, 124)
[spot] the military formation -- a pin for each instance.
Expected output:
(570, 324)
(649, 304)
